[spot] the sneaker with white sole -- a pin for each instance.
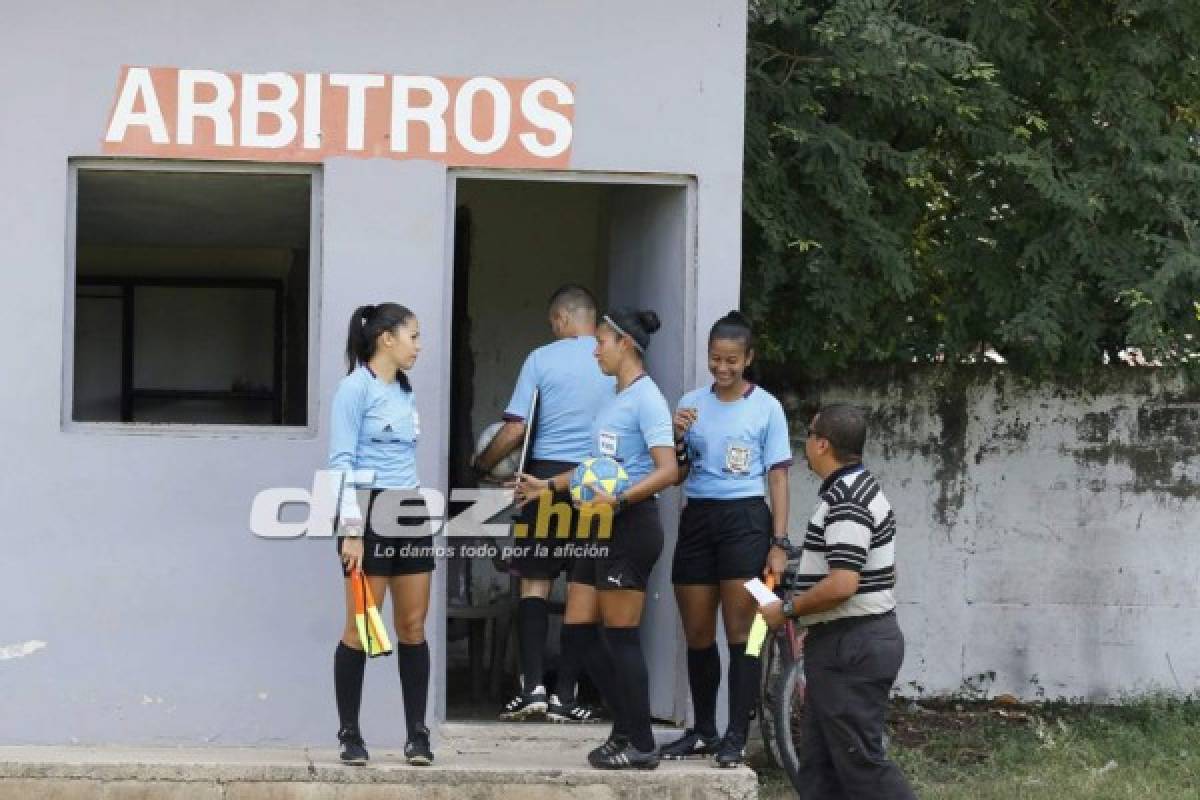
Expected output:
(692, 744)
(615, 743)
(525, 706)
(732, 752)
(353, 749)
(417, 750)
(628, 758)
(570, 711)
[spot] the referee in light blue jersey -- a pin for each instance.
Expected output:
(571, 389)
(733, 444)
(633, 426)
(374, 427)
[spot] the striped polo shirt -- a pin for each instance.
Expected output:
(852, 528)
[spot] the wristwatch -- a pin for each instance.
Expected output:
(789, 610)
(782, 542)
(683, 456)
(620, 504)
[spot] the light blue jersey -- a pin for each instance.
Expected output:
(630, 423)
(375, 427)
(571, 389)
(734, 445)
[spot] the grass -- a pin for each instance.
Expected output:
(1148, 748)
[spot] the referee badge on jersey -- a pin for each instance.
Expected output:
(737, 457)
(607, 442)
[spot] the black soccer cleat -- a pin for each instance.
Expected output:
(417, 750)
(692, 744)
(353, 749)
(628, 758)
(732, 752)
(525, 706)
(615, 743)
(570, 711)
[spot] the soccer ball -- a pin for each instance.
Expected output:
(604, 474)
(507, 466)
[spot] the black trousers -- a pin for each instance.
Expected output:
(850, 667)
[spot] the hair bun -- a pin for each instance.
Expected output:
(649, 321)
(738, 317)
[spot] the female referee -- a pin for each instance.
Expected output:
(730, 436)
(634, 427)
(375, 427)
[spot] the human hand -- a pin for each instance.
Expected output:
(682, 422)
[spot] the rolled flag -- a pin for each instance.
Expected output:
(758, 630)
(371, 631)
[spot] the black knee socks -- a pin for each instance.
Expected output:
(597, 659)
(744, 675)
(573, 644)
(533, 617)
(633, 682)
(413, 662)
(704, 678)
(348, 667)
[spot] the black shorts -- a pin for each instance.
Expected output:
(394, 555)
(629, 554)
(541, 557)
(721, 540)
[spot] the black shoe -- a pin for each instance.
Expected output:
(732, 752)
(691, 745)
(629, 758)
(353, 752)
(568, 712)
(417, 750)
(525, 706)
(615, 743)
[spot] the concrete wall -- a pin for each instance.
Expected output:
(1046, 533)
(527, 239)
(126, 550)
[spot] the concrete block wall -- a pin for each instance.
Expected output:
(1048, 533)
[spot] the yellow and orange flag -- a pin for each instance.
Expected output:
(758, 630)
(371, 631)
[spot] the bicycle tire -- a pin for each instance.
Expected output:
(783, 701)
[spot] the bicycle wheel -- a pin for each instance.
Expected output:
(783, 700)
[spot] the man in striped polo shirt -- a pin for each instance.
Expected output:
(844, 595)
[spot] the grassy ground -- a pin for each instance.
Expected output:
(1143, 749)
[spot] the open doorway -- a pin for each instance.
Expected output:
(516, 241)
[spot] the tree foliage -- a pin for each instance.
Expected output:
(926, 176)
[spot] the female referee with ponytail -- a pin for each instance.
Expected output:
(632, 426)
(375, 427)
(732, 438)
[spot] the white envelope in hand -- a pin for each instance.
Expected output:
(761, 593)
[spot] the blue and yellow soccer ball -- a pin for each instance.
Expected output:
(604, 474)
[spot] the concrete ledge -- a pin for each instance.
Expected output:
(462, 772)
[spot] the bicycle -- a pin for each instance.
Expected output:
(781, 699)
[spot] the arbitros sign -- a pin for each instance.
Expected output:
(309, 117)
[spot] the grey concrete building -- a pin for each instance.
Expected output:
(197, 197)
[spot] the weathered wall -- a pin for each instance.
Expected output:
(1047, 534)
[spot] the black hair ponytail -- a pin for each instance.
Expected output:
(366, 325)
(638, 324)
(733, 326)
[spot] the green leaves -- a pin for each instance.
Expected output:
(922, 177)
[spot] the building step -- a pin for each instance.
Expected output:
(467, 768)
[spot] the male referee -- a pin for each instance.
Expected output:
(854, 647)
(571, 388)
